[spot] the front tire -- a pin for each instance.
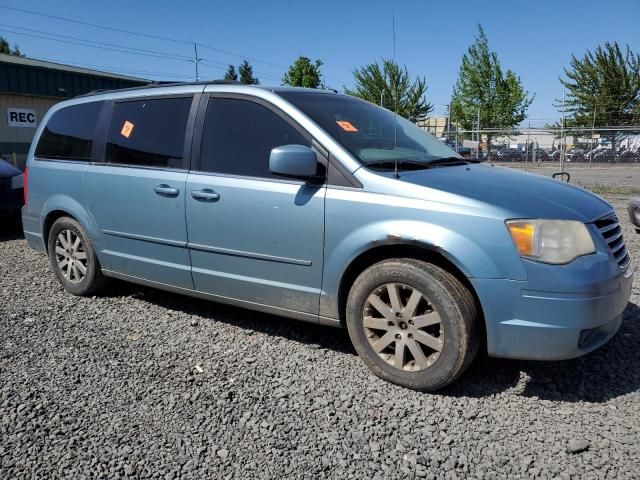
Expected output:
(73, 259)
(412, 323)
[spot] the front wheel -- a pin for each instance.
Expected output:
(412, 323)
(73, 258)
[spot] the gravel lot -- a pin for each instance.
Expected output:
(139, 383)
(599, 177)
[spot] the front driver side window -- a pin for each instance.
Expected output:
(239, 135)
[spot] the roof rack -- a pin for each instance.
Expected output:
(160, 83)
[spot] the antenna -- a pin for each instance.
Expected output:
(393, 30)
(395, 96)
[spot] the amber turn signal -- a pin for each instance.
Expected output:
(522, 235)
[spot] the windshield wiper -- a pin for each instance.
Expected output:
(415, 165)
(412, 164)
(448, 161)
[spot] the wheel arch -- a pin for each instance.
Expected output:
(59, 206)
(50, 219)
(403, 250)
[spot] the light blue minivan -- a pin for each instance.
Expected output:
(325, 208)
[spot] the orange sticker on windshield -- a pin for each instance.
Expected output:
(346, 126)
(127, 129)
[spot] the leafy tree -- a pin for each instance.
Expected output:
(390, 85)
(245, 71)
(603, 87)
(303, 73)
(483, 87)
(6, 48)
(231, 73)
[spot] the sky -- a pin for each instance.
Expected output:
(535, 39)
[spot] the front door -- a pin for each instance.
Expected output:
(253, 236)
(137, 196)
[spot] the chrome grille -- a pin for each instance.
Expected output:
(612, 233)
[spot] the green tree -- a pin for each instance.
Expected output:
(245, 71)
(231, 73)
(391, 86)
(6, 48)
(303, 73)
(603, 87)
(483, 87)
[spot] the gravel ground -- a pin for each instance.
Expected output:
(599, 176)
(139, 383)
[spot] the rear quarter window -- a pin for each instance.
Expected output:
(69, 132)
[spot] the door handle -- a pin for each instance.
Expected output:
(166, 190)
(205, 195)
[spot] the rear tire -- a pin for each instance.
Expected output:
(413, 323)
(73, 259)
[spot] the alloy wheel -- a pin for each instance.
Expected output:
(71, 256)
(403, 327)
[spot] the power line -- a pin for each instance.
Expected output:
(118, 48)
(112, 69)
(155, 37)
(165, 57)
(255, 60)
(208, 63)
(124, 47)
(212, 63)
(95, 25)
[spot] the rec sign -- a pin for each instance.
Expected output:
(21, 117)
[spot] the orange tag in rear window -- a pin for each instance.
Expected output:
(346, 126)
(127, 129)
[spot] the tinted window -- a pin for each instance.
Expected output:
(68, 134)
(239, 135)
(148, 133)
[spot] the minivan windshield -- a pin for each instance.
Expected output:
(369, 132)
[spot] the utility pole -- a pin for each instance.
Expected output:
(457, 140)
(196, 60)
(448, 122)
(478, 137)
(563, 146)
(593, 135)
(526, 150)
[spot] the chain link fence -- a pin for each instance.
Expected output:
(545, 146)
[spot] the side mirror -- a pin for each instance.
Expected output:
(293, 161)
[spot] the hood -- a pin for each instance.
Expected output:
(520, 194)
(7, 170)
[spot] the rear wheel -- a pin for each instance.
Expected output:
(412, 323)
(73, 258)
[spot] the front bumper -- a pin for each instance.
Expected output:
(578, 309)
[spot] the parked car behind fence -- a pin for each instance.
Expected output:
(510, 155)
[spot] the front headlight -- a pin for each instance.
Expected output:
(17, 182)
(551, 241)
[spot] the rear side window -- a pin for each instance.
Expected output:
(239, 135)
(69, 133)
(148, 133)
